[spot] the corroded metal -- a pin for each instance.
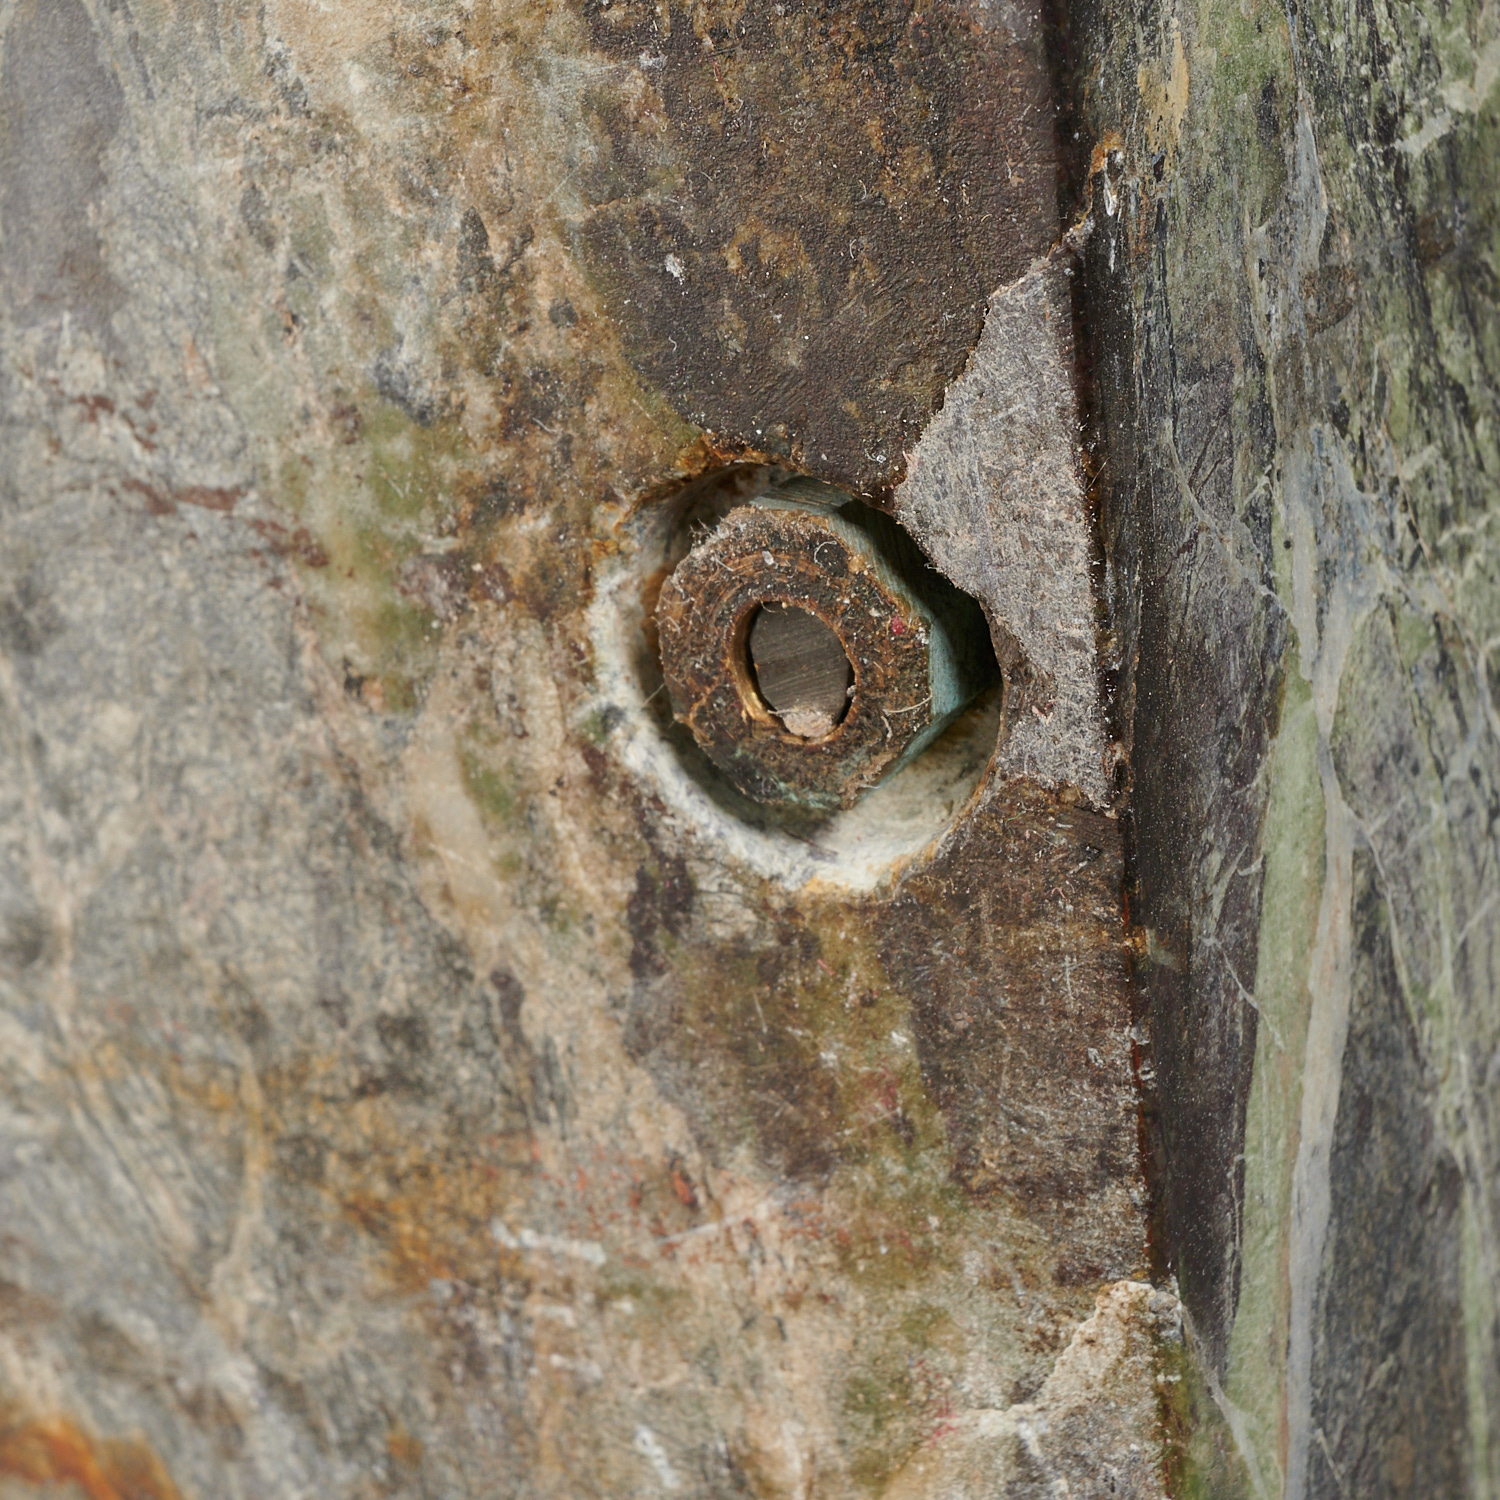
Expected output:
(918, 649)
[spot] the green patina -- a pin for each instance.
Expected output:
(1294, 843)
(488, 787)
(1203, 1460)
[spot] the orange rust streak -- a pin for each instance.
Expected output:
(54, 1450)
(1111, 140)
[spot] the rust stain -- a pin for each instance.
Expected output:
(708, 452)
(164, 502)
(56, 1451)
(1111, 140)
(404, 1449)
(209, 497)
(295, 542)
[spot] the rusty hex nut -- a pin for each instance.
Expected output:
(811, 650)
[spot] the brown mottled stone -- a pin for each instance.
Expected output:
(1010, 941)
(848, 188)
(413, 1082)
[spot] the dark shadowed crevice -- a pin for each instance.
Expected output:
(1192, 667)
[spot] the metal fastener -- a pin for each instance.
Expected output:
(811, 650)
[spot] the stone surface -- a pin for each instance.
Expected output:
(1291, 286)
(1065, 1441)
(406, 1086)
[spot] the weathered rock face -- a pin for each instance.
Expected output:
(416, 1078)
(796, 216)
(1292, 293)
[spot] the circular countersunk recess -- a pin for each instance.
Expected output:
(836, 804)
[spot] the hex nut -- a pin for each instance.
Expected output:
(917, 650)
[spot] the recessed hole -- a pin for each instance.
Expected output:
(800, 669)
(858, 848)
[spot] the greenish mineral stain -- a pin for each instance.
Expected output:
(488, 789)
(1203, 1461)
(1226, 196)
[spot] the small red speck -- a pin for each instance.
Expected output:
(897, 628)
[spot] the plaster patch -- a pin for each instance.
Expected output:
(994, 492)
